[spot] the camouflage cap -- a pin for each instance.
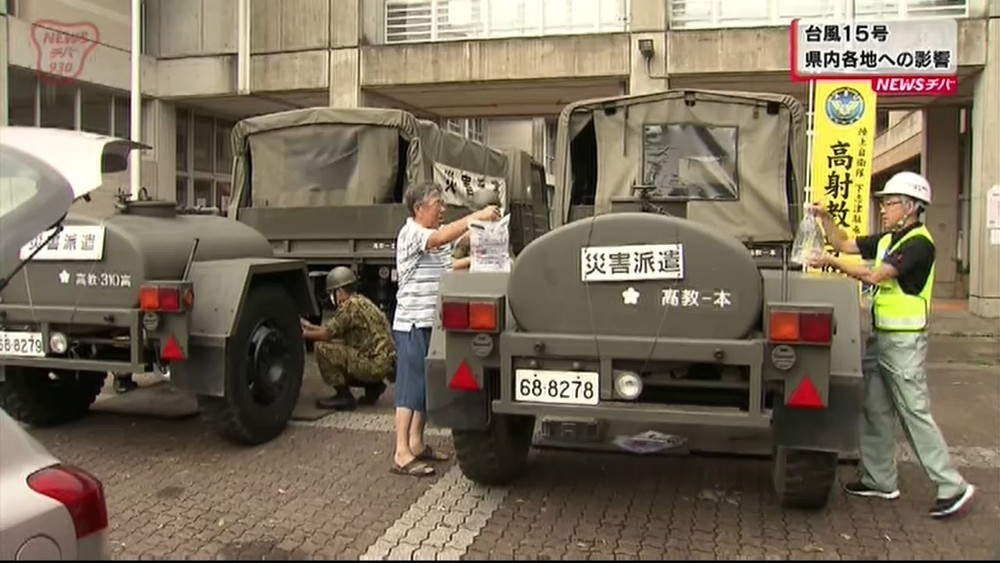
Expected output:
(339, 277)
(483, 198)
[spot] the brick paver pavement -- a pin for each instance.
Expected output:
(176, 491)
(323, 491)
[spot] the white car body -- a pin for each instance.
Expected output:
(48, 510)
(33, 524)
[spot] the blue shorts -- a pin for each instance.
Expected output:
(411, 385)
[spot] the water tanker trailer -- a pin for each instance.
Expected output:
(196, 295)
(665, 299)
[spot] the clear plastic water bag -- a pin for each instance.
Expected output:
(808, 239)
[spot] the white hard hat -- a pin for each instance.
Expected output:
(909, 184)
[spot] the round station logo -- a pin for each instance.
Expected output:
(845, 106)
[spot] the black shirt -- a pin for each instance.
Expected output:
(913, 259)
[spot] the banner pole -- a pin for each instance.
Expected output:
(810, 135)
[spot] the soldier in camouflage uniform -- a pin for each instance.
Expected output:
(479, 200)
(354, 347)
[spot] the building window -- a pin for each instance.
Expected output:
(474, 129)
(58, 106)
(22, 92)
(33, 102)
(123, 117)
(881, 120)
(203, 144)
(203, 160)
(182, 142)
(96, 111)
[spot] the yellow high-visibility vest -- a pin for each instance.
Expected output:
(893, 309)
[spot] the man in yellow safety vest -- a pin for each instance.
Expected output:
(895, 376)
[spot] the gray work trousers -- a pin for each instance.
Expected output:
(895, 383)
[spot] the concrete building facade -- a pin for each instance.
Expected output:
(495, 70)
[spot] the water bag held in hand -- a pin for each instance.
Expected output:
(808, 240)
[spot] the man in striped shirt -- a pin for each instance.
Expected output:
(423, 253)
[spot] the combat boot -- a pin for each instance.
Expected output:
(372, 392)
(342, 400)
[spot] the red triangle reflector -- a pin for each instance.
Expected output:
(805, 395)
(171, 350)
(464, 379)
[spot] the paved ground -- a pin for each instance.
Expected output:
(323, 491)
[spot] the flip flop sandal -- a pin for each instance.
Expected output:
(416, 468)
(430, 455)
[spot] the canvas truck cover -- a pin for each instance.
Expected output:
(727, 151)
(322, 156)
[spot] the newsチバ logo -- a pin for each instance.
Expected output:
(845, 106)
(61, 49)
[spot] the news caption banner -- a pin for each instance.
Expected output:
(899, 58)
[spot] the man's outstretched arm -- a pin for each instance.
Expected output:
(838, 239)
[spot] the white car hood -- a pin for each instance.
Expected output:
(76, 155)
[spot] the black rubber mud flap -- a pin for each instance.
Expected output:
(265, 360)
(804, 478)
(32, 396)
(497, 455)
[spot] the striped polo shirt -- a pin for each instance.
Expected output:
(419, 276)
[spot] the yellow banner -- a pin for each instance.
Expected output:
(843, 148)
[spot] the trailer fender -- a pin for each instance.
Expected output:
(834, 428)
(453, 408)
(220, 289)
(451, 404)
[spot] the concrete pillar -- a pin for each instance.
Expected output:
(159, 173)
(941, 165)
(648, 20)
(984, 256)
(345, 58)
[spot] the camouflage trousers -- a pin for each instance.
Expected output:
(341, 365)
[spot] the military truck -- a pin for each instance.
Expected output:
(325, 185)
(151, 286)
(665, 296)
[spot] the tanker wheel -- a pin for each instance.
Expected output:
(42, 397)
(804, 478)
(264, 364)
(498, 454)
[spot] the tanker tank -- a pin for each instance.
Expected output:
(717, 293)
(149, 241)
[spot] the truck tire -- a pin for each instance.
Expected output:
(498, 454)
(804, 478)
(265, 360)
(36, 397)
